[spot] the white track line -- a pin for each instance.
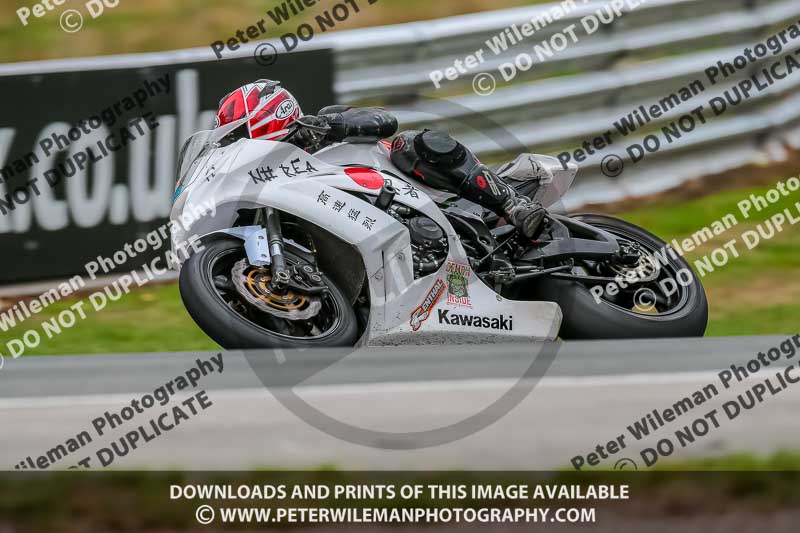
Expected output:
(375, 388)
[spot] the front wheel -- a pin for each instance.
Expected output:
(233, 303)
(666, 298)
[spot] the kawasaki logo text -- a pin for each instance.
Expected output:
(452, 319)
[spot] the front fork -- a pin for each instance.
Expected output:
(280, 275)
(263, 243)
(303, 278)
(264, 246)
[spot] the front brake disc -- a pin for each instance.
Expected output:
(252, 284)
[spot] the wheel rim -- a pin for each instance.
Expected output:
(319, 327)
(647, 299)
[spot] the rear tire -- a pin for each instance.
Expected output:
(229, 328)
(585, 318)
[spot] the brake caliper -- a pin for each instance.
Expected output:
(297, 299)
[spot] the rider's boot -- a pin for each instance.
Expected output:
(486, 188)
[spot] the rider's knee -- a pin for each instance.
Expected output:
(433, 157)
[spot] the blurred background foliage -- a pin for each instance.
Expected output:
(153, 25)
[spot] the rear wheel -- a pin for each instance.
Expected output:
(664, 298)
(236, 304)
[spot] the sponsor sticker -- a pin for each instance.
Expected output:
(285, 110)
(423, 312)
(458, 284)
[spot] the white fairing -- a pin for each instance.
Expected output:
(403, 310)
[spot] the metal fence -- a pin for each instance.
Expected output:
(637, 59)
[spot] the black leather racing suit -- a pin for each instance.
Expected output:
(433, 157)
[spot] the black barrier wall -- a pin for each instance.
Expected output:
(87, 159)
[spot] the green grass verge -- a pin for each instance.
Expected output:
(155, 25)
(152, 319)
(752, 295)
(757, 293)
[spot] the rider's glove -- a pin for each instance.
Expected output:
(308, 138)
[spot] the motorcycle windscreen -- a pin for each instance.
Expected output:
(196, 152)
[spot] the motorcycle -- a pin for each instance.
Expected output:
(341, 248)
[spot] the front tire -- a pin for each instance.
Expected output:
(586, 318)
(213, 305)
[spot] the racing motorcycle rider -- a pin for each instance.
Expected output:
(433, 157)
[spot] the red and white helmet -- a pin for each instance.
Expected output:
(269, 109)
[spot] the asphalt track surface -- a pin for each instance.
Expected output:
(588, 396)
